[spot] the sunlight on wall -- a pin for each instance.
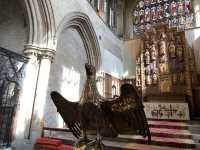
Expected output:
(70, 84)
(115, 74)
(60, 121)
(112, 64)
(42, 88)
(101, 83)
(26, 98)
(125, 74)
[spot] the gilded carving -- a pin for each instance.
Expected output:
(166, 63)
(148, 80)
(154, 78)
(180, 53)
(163, 47)
(153, 52)
(172, 50)
(147, 57)
(165, 86)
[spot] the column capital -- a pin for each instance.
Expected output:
(40, 52)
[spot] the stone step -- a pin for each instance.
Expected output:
(167, 124)
(171, 133)
(159, 141)
(173, 142)
(165, 135)
(136, 146)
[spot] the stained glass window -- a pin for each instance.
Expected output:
(175, 13)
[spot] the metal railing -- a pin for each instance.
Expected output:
(11, 75)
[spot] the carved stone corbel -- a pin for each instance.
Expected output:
(40, 53)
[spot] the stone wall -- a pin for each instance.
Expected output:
(67, 73)
(131, 50)
(13, 26)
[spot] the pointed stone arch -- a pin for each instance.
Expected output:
(83, 25)
(41, 24)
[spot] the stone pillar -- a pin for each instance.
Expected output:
(46, 57)
(32, 96)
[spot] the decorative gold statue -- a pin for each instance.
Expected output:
(172, 50)
(147, 57)
(163, 68)
(163, 47)
(155, 78)
(180, 53)
(174, 78)
(147, 70)
(153, 52)
(148, 80)
(181, 77)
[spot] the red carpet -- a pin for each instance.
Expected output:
(51, 144)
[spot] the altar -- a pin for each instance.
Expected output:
(165, 74)
(167, 110)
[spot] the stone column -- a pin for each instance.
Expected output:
(33, 93)
(46, 57)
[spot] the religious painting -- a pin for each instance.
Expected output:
(165, 85)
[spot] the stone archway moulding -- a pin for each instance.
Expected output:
(83, 25)
(41, 24)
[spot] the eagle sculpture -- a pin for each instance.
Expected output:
(104, 117)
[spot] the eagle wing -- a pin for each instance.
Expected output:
(128, 116)
(69, 111)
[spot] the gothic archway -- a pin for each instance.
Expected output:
(83, 25)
